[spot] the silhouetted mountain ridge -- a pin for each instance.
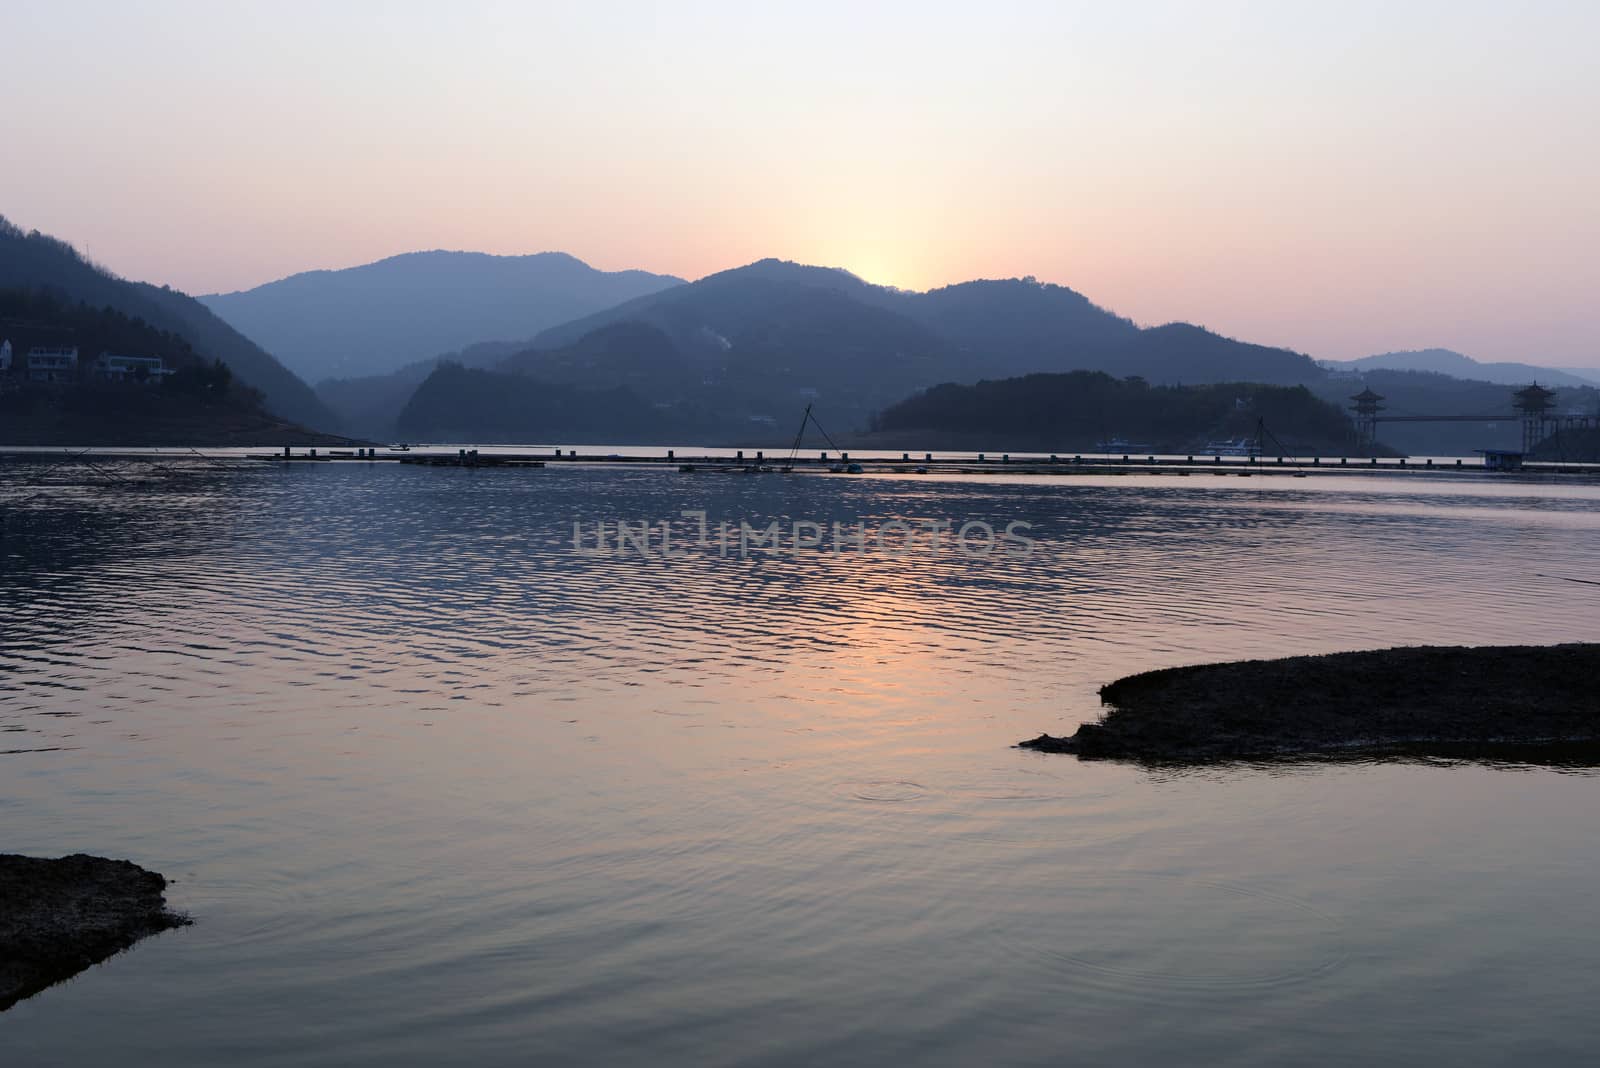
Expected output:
(1457, 365)
(1077, 409)
(37, 261)
(973, 329)
(741, 350)
(462, 404)
(378, 317)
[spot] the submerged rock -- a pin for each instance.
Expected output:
(1423, 699)
(57, 917)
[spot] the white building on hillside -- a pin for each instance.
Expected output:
(117, 368)
(52, 365)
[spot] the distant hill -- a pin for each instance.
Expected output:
(1434, 393)
(368, 407)
(749, 347)
(552, 394)
(198, 403)
(1448, 362)
(1015, 325)
(1072, 411)
(379, 317)
(462, 404)
(632, 354)
(962, 332)
(37, 261)
(755, 344)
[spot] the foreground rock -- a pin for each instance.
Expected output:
(57, 917)
(1426, 699)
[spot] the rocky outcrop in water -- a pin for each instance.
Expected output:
(57, 917)
(1422, 699)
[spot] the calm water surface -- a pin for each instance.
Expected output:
(439, 789)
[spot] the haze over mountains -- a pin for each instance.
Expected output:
(378, 317)
(743, 350)
(979, 329)
(1448, 362)
(730, 358)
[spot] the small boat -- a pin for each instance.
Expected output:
(852, 469)
(687, 469)
(399, 448)
(837, 469)
(921, 470)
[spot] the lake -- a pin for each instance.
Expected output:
(442, 782)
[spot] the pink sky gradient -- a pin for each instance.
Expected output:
(1340, 179)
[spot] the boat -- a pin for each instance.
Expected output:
(837, 469)
(1122, 445)
(853, 469)
(1232, 447)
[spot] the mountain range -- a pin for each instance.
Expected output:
(978, 329)
(1448, 362)
(378, 317)
(731, 357)
(741, 351)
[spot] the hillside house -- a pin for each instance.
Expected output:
(52, 365)
(114, 367)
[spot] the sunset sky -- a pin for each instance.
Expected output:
(1340, 178)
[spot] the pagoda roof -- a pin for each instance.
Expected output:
(1534, 398)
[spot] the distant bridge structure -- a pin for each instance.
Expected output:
(1534, 407)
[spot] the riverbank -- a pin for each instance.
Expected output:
(1426, 698)
(58, 917)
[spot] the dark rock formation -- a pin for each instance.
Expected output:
(57, 917)
(1422, 699)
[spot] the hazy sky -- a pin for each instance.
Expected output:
(1339, 177)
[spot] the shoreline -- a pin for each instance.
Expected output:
(1425, 700)
(691, 459)
(58, 917)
